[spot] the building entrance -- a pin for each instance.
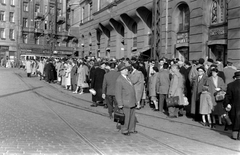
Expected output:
(218, 52)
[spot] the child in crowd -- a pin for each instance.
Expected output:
(206, 106)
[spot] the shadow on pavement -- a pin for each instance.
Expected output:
(1, 96)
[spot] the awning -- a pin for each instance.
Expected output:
(145, 49)
(182, 45)
(134, 48)
(219, 42)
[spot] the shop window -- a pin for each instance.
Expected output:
(37, 8)
(218, 11)
(184, 18)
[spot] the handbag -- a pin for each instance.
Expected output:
(220, 95)
(172, 101)
(119, 117)
(85, 85)
(227, 119)
(92, 91)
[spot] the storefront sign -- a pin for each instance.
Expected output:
(4, 48)
(222, 11)
(182, 38)
(218, 32)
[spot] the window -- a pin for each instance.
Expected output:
(25, 38)
(184, 18)
(11, 16)
(25, 6)
(2, 16)
(37, 40)
(59, 28)
(37, 8)
(25, 22)
(12, 2)
(37, 24)
(90, 11)
(82, 19)
(3, 1)
(51, 10)
(11, 34)
(2, 33)
(46, 24)
(59, 12)
(46, 9)
(98, 5)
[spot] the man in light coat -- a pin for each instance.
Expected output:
(162, 84)
(126, 100)
(229, 71)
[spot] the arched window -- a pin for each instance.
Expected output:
(184, 18)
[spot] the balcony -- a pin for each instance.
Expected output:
(61, 20)
(39, 16)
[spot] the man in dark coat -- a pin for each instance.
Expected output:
(74, 75)
(96, 84)
(50, 72)
(126, 100)
(232, 100)
(108, 88)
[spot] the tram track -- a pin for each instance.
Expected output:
(76, 106)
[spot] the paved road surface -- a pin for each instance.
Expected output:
(41, 118)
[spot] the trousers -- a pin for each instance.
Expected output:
(112, 104)
(130, 120)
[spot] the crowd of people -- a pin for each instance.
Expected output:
(131, 84)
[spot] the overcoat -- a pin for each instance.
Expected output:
(206, 104)
(74, 77)
(232, 97)
(229, 72)
(152, 87)
(96, 83)
(218, 106)
(50, 72)
(137, 79)
(68, 75)
(81, 76)
(163, 81)
(197, 87)
(125, 93)
(177, 87)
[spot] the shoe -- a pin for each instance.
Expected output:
(138, 108)
(126, 134)
(80, 93)
(172, 116)
(204, 123)
(110, 116)
(155, 109)
(74, 92)
(213, 126)
(134, 132)
(94, 105)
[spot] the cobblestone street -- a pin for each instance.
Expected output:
(41, 118)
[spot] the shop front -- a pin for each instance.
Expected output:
(217, 43)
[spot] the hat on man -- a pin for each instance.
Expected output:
(201, 61)
(236, 74)
(122, 66)
(201, 67)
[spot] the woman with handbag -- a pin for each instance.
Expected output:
(176, 90)
(216, 84)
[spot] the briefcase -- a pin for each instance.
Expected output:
(172, 101)
(119, 117)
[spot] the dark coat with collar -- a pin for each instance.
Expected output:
(125, 93)
(232, 97)
(109, 82)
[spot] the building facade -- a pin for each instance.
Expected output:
(112, 28)
(190, 29)
(9, 11)
(44, 28)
